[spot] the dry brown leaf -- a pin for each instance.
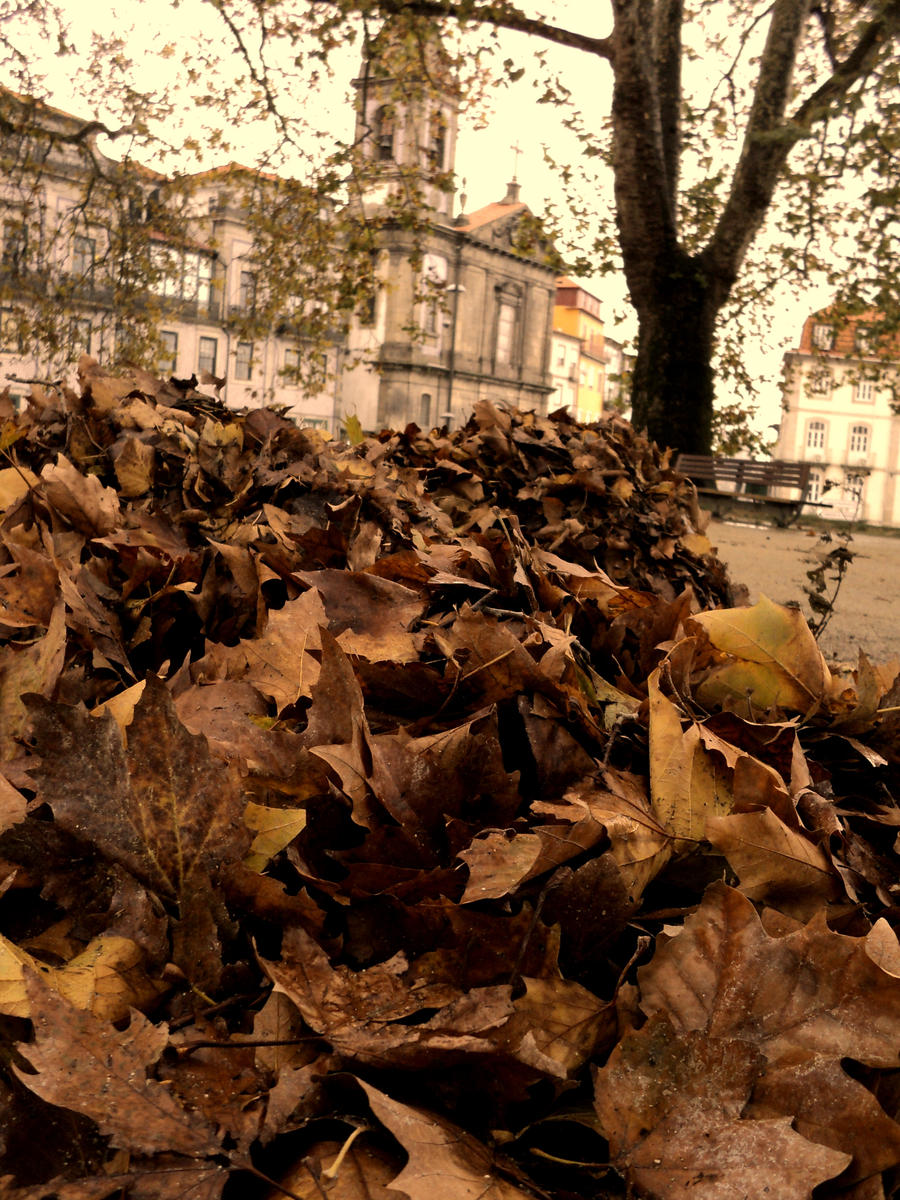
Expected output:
(34, 668)
(444, 1160)
(369, 616)
(28, 594)
(498, 861)
(361, 1013)
(86, 504)
(671, 1103)
(831, 1108)
(12, 804)
(563, 1021)
(89, 1066)
(152, 799)
(811, 992)
(775, 864)
(281, 663)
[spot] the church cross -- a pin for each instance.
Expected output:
(517, 150)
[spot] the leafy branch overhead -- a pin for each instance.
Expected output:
(422, 816)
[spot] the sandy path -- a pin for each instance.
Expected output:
(774, 562)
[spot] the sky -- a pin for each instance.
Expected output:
(486, 158)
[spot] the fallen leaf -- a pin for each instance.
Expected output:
(274, 828)
(85, 503)
(671, 1104)
(108, 979)
(151, 798)
(687, 785)
(85, 1064)
(811, 992)
(775, 864)
(444, 1160)
(775, 660)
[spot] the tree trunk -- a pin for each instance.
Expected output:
(672, 384)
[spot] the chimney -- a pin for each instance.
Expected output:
(512, 193)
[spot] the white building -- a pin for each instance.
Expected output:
(841, 414)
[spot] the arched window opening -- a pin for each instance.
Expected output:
(384, 130)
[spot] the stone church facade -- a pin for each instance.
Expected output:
(474, 320)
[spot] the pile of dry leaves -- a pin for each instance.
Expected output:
(420, 818)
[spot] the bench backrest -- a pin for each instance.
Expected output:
(741, 472)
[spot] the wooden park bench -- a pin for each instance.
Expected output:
(746, 487)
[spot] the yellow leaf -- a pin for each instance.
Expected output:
(216, 434)
(107, 978)
(121, 706)
(354, 430)
(687, 785)
(775, 660)
(275, 828)
(696, 543)
(9, 435)
(14, 483)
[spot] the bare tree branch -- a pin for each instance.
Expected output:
(500, 15)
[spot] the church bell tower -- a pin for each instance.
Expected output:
(407, 105)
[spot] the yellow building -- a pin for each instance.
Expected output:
(577, 313)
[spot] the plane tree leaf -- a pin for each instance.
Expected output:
(671, 1104)
(85, 1064)
(811, 992)
(688, 785)
(443, 1159)
(774, 863)
(108, 978)
(152, 798)
(770, 659)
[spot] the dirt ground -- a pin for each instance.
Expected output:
(775, 561)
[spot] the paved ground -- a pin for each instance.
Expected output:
(775, 561)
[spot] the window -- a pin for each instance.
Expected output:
(198, 279)
(859, 439)
(865, 391)
(561, 356)
(168, 352)
(209, 348)
(11, 339)
(425, 410)
(14, 246)
(823, 337)
(243, 360)
(506, 328)
(814, 488)
(435, 269)
(247, 291)
(815, 435)
(83, 253)
(437, 140)
(384, 133)
(819, 381)
(80, 335)
(184, 276)
(291, 365)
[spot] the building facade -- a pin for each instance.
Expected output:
(840, 413)
(462, 309)
(578, 314)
